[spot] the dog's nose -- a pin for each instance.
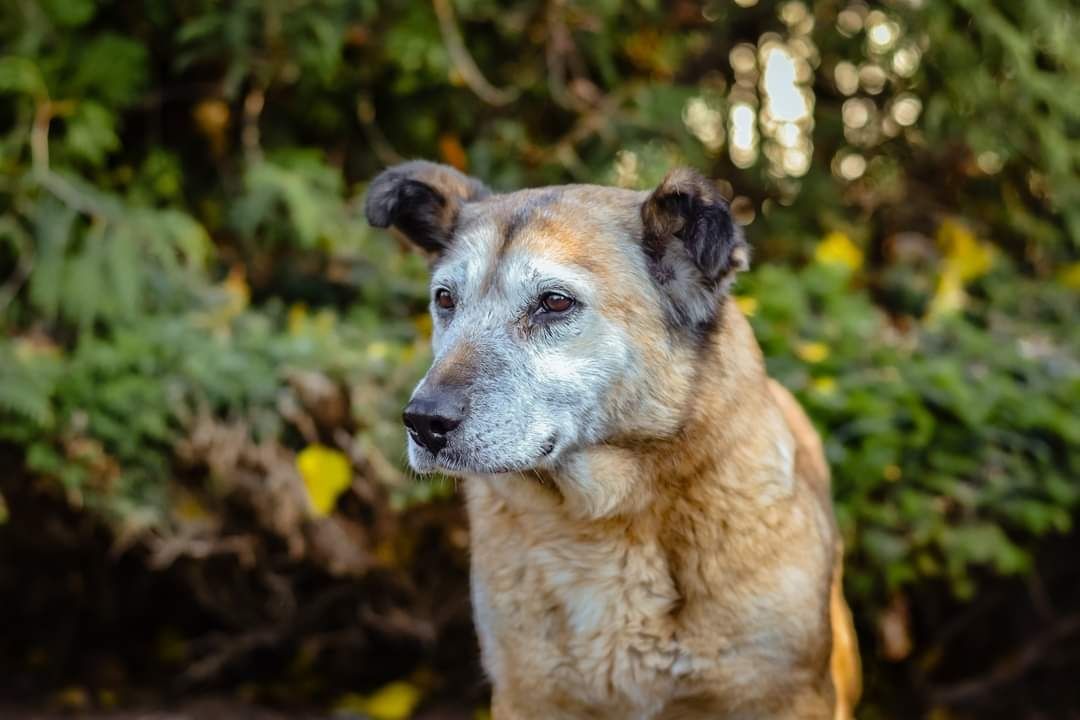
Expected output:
(430, 418)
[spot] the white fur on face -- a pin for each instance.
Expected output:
(537, 386)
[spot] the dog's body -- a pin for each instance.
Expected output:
(652, 532)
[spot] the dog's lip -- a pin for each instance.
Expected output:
(446, 461)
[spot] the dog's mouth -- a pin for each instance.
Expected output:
(454, 462)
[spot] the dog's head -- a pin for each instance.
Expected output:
(564, 317)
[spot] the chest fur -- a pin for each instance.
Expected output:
(617, 618)
(597, 620)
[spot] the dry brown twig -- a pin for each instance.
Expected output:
(463, 61)
(563, 58)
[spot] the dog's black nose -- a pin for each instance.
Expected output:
(430, 418)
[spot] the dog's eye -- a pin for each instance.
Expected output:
(444, 299)
(554, 302)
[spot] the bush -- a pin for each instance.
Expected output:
(953, 444)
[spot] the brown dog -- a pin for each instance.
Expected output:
(652, 532)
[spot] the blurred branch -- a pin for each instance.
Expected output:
(1012, 667)
(164, 551)
(592, 122)
(254, 102)
(230, 650)
(463, 61)
(39, 153)
(560, 52)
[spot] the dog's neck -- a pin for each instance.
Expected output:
(732, 441)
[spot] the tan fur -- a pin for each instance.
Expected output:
(712, 592)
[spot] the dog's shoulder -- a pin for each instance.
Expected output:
(810, 462)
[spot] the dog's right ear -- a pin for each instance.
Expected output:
(421, 200)
(693, 246)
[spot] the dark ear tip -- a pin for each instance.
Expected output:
(399, 187)
(381, 199)
(376, 216)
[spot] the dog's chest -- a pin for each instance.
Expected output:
(596, 620)
(592, 620)
(621, 621)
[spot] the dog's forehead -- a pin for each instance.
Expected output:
(570, 224)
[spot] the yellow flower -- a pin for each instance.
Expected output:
(326, 473)
(892, 473)
(949, 296)
(747, 304)
(823, 385)
(837, 249)
(395, 701)
(965, 256)
(812, 352)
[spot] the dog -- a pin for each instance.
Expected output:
(652, 533)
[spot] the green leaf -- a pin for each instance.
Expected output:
(124, 271)
(52, 229)
(111, 68)
(86, 287)
(91, 132)
(21, 75)
(26, 386)
(70, 13)
(185, 235)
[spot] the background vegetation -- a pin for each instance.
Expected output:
(204, 349)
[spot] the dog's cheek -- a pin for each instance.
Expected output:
(571, 384)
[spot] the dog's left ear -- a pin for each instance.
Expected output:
(687, 207)
(421, 200)
(693, 245)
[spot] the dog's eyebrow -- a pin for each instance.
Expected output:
(523, 214)
(520, 216)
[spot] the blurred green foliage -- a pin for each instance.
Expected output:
(955, 444)
(180, 233)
